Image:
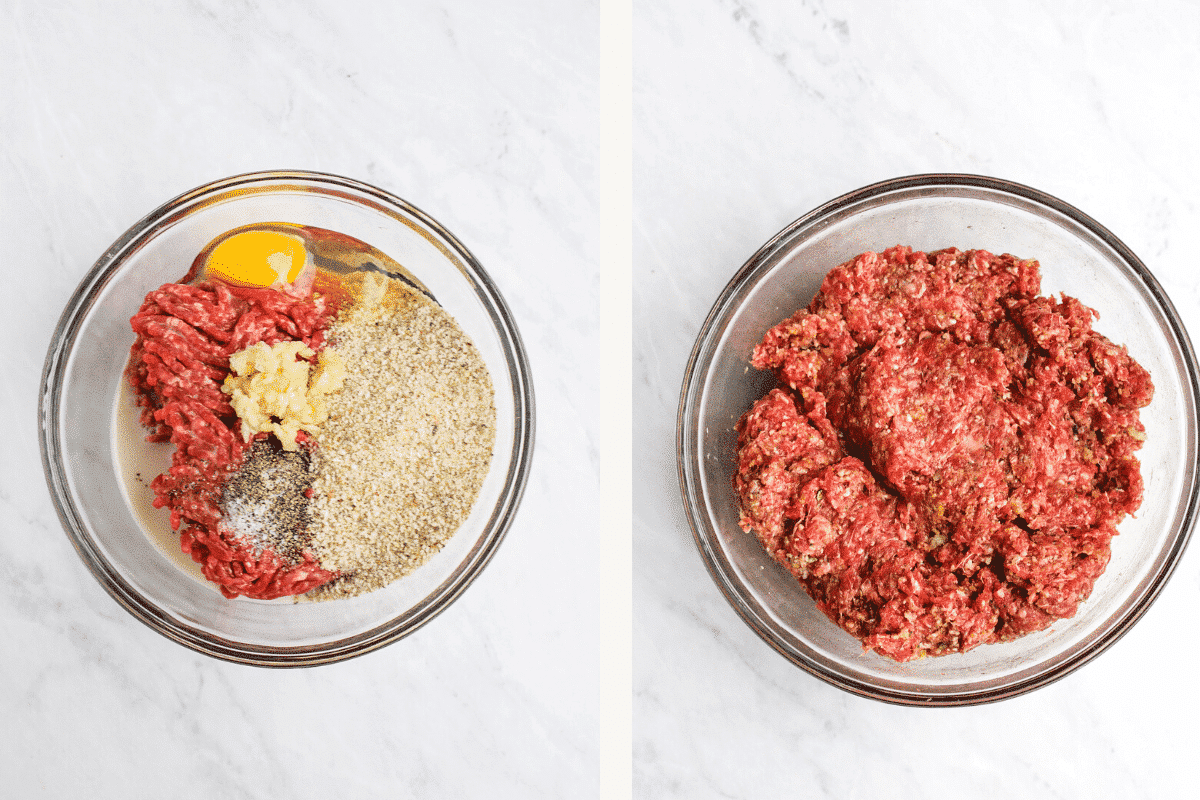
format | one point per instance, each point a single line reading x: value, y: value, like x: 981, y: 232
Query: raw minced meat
x: 947, y: 454
x: 185, y: 336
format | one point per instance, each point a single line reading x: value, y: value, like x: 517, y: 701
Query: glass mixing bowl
x: 85, y: 422
x: 928, y: 212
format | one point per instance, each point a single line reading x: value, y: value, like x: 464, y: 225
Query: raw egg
x: 257, y: 258
x: 296, y: 259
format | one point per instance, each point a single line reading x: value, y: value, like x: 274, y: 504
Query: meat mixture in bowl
x: 330, y: 428
x: 947, y: 454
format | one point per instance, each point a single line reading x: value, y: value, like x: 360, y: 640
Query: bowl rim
x: 64, y: 337
x: 687, y: 422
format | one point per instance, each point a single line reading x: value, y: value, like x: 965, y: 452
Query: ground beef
x: 185, y: 335
x: 947, y: 454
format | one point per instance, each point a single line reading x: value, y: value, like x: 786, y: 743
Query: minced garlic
x: 272, y: 389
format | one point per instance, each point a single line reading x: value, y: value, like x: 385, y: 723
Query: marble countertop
x: 747, y: 115
x: 485, y: 117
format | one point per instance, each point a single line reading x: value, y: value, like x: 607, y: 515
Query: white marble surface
x: 484, y: 116
x: 749, y: 113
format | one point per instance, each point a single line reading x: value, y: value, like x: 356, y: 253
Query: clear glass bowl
x: 929, y: 212
x: 82, y: 419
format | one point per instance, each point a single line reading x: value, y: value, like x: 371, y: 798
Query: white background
x: 748, y: 114
x: 485, y: 117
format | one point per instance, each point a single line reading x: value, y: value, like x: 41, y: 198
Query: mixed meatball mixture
x: 947, y: 454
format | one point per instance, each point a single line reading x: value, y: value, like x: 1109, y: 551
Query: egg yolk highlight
x: 257, y: 258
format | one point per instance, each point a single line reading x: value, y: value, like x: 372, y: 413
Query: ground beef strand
x: 185, y: 335
x: 948, y: 453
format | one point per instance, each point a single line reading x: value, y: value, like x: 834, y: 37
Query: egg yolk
x: 257, y: 258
